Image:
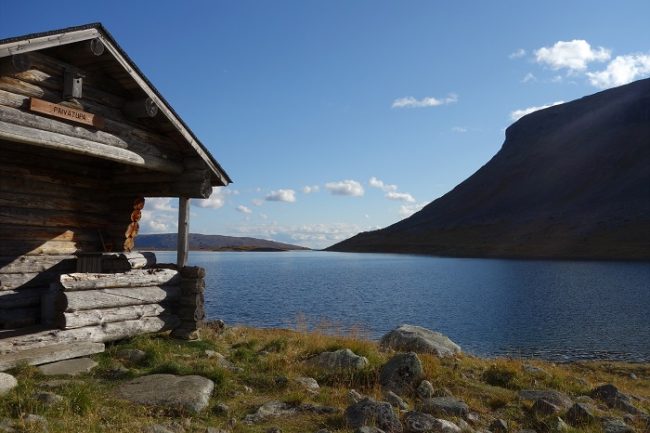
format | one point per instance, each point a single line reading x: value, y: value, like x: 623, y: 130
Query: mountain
x: 570, y: 181
x: 167, y: 241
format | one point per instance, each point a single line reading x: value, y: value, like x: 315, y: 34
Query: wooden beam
x: 134, y: 278
x: 183, y: 231
x: 15, y: 64
x: 140, y: 108
x: 47, y: 41
x: 47, y: 354
x: 21, y: 134
x: 79, y: 319
x: 111, y: 298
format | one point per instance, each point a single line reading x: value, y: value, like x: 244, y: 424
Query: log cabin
x: 84, y: 138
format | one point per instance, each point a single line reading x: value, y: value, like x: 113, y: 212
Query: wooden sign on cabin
x: 67, y: 113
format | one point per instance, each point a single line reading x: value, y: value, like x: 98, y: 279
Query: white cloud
x: 377, y: 183
x: 243, y: 209
x: 257, y: 201
x: 518, y: 114
x: 216, y: 200
x: 308, y: 189
x: 529, y: 77
x: 283, y: 195
x: 400, y: 196
x: 345, y: 187
x: 621, y: 70
x: 163, y: 204
x: 309, y: 235
x: 158, y: 221
x: 573, y: 55
x: 407, y: 210
x: 429, y: 101
x: 517, y: 54
x: 459, y: 129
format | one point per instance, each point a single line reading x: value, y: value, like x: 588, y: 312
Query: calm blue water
x: 555, y: 310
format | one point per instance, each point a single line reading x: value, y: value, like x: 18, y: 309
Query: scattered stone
x: 35, y: 423
x: 281, y: 381
x: 552, y: 396
x: 247, y: 389
x: 614, y: 398
x: 498, y: 426
x: 222, y: 361
x: 342, y: 359
x: 221, y: 409
x: 68, y: 367
x: 7, y: 383
x: 464, y: 425
x: 424, y: 390
x: 580, y: 414
x: 319, y: 410
x: 371, y: 412
x: 633, y: 376
x: 418, y: 422
x: 543, y: 408
x: 557, y: 424
x: 585, y: 399
x: 420, y: 340
x: 354, y: 396
x: 48, y: 398
x: 443, y: 392
x: 396, y: 401
x: 402, y: 373
x: 274, y: 430
x: 445, y: 406
x: 132, y: 355
x: 271, y: 409
x: 369, y: 429
x: 309, y: 384
x: 615, y: 425
x: 191, y: 393
x: 473, y: 417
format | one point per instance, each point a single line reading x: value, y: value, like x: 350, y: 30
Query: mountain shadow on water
x: 571, y: 181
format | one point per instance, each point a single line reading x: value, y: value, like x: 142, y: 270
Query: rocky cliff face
x: 571, y: 181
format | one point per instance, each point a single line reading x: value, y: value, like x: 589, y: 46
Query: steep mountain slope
x: 570, y: 181
x: 167, y: 241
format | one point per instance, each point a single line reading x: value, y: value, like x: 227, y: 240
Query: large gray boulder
x: 342, y: 359
x: 609, y: 394
x: 444, y: 406
x: 418, y: 422
x: 402, y: 373
x: 552, y: 396
x: 191, y: 393
x: 369, y: 412
x: 417, y: 339
x: 7, y: 383
x: 68, y: 367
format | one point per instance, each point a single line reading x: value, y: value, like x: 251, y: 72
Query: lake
x: 558, y: 310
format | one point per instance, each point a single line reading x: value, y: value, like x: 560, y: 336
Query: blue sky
x: 334, y: 117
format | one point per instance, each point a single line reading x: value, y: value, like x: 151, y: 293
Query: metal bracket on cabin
x: 72, y: 84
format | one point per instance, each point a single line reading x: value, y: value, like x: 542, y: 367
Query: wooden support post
x: 183, y: 231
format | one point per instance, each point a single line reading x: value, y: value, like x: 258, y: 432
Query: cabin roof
x: 69, y: 35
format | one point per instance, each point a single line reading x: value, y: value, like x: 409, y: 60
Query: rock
x: 274, y: 430
x: 473, y: 417
x: 396, y: 401
x: 35, y: 423
x: 7, y: 383
x: 445, y: 406
x: 585, y: 399
x: 131, y: 355
x: 543, y: 408
x: 7, y: 426
x: 342, y: 359
x: 464, y: 425
x: 271, y: 409
x: 354, y: 396
x: 48, y: 398
x: 68, y: 367
x: 247, y: 389
x: 420, y: 340
x: 552, y: 396
x: 609, y: 394
x: 418, y: 422
x: 580, y: 414
x: 369, y: 429
x: 615, y: 425
x: 498, y: 426
x: 320, y: 410
x: 309, y: 384
x: 402, y: 373
x: 371, y: 412
x: 632, y: 376
x: 424, y: 390
x: 534, y: 371
x: 221, y: 409
x: 190, y: 393
x: 222, y: 361
x: 557, y: 424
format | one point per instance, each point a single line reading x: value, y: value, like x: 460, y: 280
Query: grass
x: 268, y: 360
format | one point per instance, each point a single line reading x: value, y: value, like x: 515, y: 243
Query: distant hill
x: 570, y: 181
x: 167, y: 241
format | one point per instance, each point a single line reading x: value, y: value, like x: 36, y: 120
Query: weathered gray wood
x: 100, y: 333
x: 12, y: 264
x: 26, y: 280
x: 50, y: 218
x: 47, y: 354
x: 183, y: 245
x: 134, y: 278
x: 140, y: 108
x: 31, y: 248
x: 124, y: 262
x: 14, y: 64
x: 48, y: 41
x: 78, y: 319
x: 111, y: 298
x: 33, y: 200
x: 22, y: 134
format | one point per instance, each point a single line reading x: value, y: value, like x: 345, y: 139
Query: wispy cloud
x: 517, y: 54
x: 158, y: 221
x: 257, y: 201
x: 459, y: 129
x: 216, y: 200
x: 283, y: 195
x: 308, y: 189
x: 518, y: 114
x: 310, y: 235
x: 378, y: 183
x: 400, y: 196
x: 429, y: 101
x: 345, y: 187
x: 529, y: 77
x: 161, y: 204
x: 243, y: 209
x: 407, y: 210
x: 621, y: 70
x: 572, y: 55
